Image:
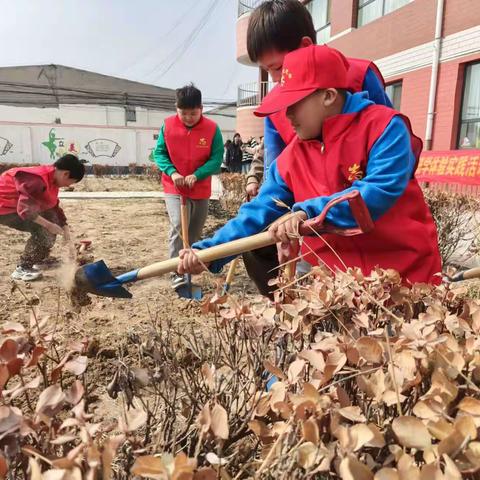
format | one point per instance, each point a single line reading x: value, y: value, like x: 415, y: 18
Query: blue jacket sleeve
x: 390, y: 166
x: 273, y: 144
x: 254, y: 216
x: 374, y: 86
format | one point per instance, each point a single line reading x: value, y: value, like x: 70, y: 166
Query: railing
x: 245, y: 6
x: 251, y: 94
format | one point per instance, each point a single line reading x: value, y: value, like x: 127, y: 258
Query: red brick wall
x: 343, y: 15
x: 460, y: 15
x: 248, y: 125
x: 404, y: 28
x: 414, y: 104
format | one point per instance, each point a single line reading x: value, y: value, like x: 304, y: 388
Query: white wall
x: 105, y: 146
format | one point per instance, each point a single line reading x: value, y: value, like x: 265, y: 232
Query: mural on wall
x: 5, y: 146
x: 98, y: 147
x: 102, y: 147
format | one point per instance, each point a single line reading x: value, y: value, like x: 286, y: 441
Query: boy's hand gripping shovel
x: 96, y: 277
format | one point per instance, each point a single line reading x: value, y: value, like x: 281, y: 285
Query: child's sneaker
x: 178, y: 281
x: 26, y: 274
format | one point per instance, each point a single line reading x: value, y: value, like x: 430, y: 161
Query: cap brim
x: 279, y: 99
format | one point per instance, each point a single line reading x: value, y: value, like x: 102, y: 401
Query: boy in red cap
x: 344, y: 142
x: 277, y: 27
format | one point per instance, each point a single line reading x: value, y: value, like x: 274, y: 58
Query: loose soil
x: 127, y: 234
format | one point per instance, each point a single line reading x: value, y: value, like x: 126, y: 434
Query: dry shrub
x: 373, y: 378
x: 45, y: 425
x: 456, y: 220
x: 233, y: 191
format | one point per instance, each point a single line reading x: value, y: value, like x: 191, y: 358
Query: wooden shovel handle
x: 208, y: 255
x: 184, y: 221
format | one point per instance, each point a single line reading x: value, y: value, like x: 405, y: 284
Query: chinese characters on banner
x: 456, y: 166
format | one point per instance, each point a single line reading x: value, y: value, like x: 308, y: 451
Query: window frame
x: 461, y: 121
x: 369, y: 2
x: 328, y: 16
x: 393, y: 84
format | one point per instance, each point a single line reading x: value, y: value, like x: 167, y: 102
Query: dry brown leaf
x: 77, y: 365
x: 75, y: 392
x: 295, y: 370
x: 50, y: 399
x: 219, y: 425
x: 452, y: 444
x: 440, y: 429
x: 411, y: 432
x: 208, y: 373
x: 134, y: 419
x: 387, y: 474
x: 315, y: 358
x: 369, y: 349
x: 351, y: 469
x: 310, y: 431
x: 307, y: 455
x: 378, y: 440
x: 466, y: 426
x: 204, y: 419
x: 470, y: 405
x: 214, y: 459
x: 451, y: 471
x: 149, y: 466
x: 278, y: 391
x: 353, y: 414
x: 109, y: 450
x: 269, y: 367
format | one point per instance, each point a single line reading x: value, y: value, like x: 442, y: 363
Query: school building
x: 428, y: 52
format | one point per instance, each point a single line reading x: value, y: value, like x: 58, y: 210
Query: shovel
x: 188, y: 290
x: 96, y: 277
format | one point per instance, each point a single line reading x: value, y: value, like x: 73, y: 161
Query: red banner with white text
x: 454, y: 166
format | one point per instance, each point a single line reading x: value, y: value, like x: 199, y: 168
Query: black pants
x: 262, y: 266
x: 41, y: 241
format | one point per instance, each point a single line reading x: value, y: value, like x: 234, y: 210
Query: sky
x: 163, y: 42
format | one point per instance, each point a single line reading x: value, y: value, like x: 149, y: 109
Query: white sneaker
x: 26, y: 274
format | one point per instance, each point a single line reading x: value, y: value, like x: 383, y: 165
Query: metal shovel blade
x: 189, y: 290
x: 98, y: 279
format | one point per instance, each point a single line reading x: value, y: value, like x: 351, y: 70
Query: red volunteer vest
x: 9, y: 194
x: 189, y: 149
x: 404, y: 238
x: 356, y: 76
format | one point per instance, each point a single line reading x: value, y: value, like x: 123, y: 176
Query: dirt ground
x: 118, y: 183
x: 127, y: 234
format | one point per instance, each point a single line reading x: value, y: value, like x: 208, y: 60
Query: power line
x: 185, y: 45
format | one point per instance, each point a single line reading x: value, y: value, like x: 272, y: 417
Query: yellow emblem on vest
x: 202, y: 142
x: 286, y: 74
x: 355, y: 172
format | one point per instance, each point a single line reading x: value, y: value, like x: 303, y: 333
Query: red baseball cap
x: 305, y: 71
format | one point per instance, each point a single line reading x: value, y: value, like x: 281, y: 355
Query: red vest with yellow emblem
x: 9, y: 194
x: 404, y: 238
x: 189, y: 149
x: 358, y: 68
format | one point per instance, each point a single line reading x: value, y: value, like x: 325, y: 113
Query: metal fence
x: 251, y: 94
x: 245, y: 6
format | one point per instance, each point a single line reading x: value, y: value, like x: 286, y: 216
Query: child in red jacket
x: 29, y: 203
x: 344, y: 142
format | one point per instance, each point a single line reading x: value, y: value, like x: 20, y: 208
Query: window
x: 320, y: 11
x: 130, y: 113
x: 394, y: 92
x: 370, y: 10
x: 469, y: 136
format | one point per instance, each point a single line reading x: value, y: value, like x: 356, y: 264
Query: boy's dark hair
x: 188, y: 96
x: 72, y: 164
x: 278, y: 25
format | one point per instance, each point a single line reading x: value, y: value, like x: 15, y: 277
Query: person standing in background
x: 234, y: 155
